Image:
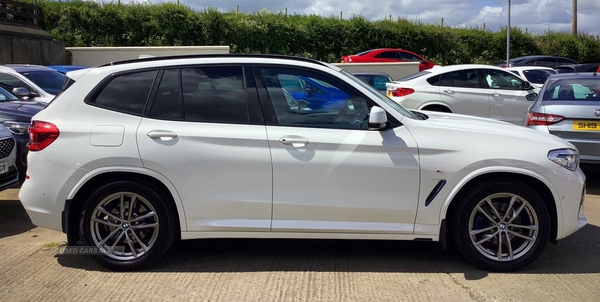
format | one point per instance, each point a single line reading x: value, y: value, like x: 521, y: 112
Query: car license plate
x: 586, y: 125
x: 3, y: 168
x: 389, y: 93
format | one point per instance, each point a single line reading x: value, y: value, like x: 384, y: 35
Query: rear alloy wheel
x: 502, y: 226
x: 130, y: 223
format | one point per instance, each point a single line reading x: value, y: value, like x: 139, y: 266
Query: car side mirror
x: 531, y: 97
x: 21, y: 92
x: 527, y: 86
x: 377, y: 118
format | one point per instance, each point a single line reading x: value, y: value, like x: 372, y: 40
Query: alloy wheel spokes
x: 503, y: 227
x: 124, y: 225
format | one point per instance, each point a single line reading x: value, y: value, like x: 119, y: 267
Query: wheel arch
x: 436, y: 105
x: 96, y: 178
x: 537, y: 183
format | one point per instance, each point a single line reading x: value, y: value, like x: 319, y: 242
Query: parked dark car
x: 375, y: 79
x: 537, y: 60
x: 15, y: 115
x: 572, y: 68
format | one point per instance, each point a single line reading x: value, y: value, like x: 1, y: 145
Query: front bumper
x: 570, y: 190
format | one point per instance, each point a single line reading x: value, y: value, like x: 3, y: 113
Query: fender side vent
x: 435, y: 192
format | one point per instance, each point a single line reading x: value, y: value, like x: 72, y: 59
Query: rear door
x: 462, y: 91
x: 204, y: 132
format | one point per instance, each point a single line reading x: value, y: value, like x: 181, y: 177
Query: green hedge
x: 83, y: 23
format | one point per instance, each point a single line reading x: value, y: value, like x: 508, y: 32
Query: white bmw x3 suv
x: 135, y: 154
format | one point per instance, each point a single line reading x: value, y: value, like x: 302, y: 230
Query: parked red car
x: 388, y: 55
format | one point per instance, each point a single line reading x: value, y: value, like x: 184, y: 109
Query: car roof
x: 26, y: 67
x: 528, y: 68
x: 580, y: 75
x: 536, y: 57
x: 447, y: 68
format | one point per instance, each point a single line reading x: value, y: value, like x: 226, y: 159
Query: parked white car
x: 146, y: 151
x: 33, y: 82
x: 477, y: 90
x: 536, y: 75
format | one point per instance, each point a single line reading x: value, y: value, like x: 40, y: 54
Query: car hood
x: 21, y: 108
x: 512, y: 134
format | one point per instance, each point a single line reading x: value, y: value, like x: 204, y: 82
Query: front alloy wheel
x: 502, y: 225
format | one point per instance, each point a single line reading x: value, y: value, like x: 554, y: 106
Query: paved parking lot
x: 31, y: 268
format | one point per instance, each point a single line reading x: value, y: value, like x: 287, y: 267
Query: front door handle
x: 495, y: 93
x: 448, y: 91
x: 296, y: 141
x: 164, y: 135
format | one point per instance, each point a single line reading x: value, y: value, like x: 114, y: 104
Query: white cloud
x: 535, y: 15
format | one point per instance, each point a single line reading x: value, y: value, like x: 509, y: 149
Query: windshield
x: 6, y: 96
x: 380, y: 95
x: 49, y: 80
x: 538, y: 76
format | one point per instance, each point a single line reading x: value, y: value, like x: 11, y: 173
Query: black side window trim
x: 255, y: 115
x: 269, y: 111
x: 90, y: 98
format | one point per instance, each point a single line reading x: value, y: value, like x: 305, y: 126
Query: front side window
x: 340, y: 108
x: 9, y: 82
x: 7, y: 96
x: 499, y: 79
x: 127, y: 93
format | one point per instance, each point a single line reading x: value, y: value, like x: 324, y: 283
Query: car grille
x: 6, y: 146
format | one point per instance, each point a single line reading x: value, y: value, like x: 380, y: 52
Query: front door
x: 331, y: 174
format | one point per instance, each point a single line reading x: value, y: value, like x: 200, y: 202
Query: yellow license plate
x: 389, y: 94
x: 586, y: 125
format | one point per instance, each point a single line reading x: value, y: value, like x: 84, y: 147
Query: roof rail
x: 229, y: 55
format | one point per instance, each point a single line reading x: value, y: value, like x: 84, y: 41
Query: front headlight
x: 16, y: 127
x: 567, y: 158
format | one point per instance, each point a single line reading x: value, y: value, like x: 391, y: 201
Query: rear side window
x: 466, y: 78
x: 127, y: 93
x: 215, y: 94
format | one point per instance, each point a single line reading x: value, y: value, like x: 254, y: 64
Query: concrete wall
x: 94, y: 56
x: 395, y: 70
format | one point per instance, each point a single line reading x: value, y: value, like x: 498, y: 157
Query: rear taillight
x: 541, y: 119
x: 41, y: 135
x: 402, y: 91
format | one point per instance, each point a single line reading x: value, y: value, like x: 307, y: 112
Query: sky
x: 535, y: 15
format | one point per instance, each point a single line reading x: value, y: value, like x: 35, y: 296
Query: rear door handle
x: 164, y: 135
x: 495, y: 93
x: 448, y: 91
x: 296, y: 141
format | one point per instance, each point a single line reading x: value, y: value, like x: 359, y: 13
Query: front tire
x: 131, y: 223
x: 501, y: 225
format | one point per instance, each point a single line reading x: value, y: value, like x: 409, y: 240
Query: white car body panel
x: 331, y: 181
x: 223, y: 172
x: 388, y: 174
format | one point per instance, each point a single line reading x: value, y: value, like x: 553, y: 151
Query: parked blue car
x: 318, y: 94
x: 66, y: 68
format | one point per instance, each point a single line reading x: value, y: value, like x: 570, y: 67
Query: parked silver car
x: 569, y: 107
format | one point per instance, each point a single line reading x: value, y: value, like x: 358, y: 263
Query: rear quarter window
x: 126, y: 93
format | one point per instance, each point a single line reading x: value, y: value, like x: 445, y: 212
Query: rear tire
x: 502, y: 225
x: 131, y: 223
